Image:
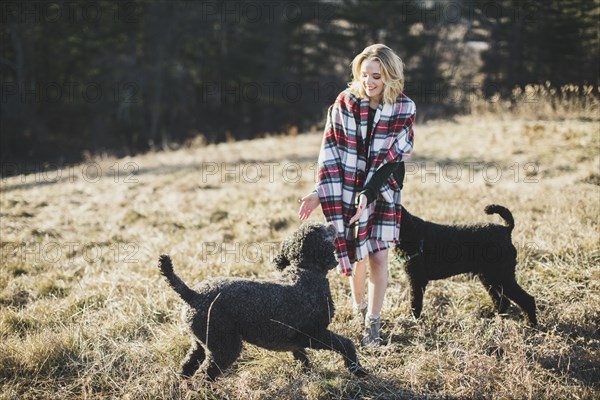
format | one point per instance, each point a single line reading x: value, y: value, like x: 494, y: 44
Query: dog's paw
x: 357, y: 370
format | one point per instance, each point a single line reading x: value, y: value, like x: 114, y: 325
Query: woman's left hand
x: 362, y: 204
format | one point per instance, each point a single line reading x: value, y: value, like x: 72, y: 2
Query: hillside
x: 84, y: 312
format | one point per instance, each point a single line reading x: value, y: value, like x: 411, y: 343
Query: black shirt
x: 382, y: 174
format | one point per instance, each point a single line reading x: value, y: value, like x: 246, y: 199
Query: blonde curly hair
x: 392, y: 72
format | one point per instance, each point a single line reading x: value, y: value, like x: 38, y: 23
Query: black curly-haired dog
x: 433, y: 251
x: 289, y: 314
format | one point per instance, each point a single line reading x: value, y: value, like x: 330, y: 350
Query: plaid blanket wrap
x: 345, y: 166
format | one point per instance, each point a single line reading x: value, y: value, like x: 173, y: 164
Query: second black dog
x: 433, y: 251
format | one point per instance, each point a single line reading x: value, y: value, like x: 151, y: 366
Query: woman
x: 367, y: 136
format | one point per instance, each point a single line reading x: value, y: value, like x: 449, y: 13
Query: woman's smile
x: 370, y: 76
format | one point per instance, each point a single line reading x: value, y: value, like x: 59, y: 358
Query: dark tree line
x: 534, y: 41
x: 128, y: 76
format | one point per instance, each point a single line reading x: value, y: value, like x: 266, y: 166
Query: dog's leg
x: 300, y: 355
x: 195, y: 357
x: 496, y: 293
x: 225, y: 348
x: 340, y: 344
x: 513, y: 291
x: 416, y: 300
x: 418, y: 281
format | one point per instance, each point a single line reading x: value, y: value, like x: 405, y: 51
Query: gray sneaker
x: 371, y: 335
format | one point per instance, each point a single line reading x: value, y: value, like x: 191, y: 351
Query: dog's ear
x: 328, y: 260
x: 404, y: 214
x: 406, y: 221
x: 282, y: 260
x: 411, y: 233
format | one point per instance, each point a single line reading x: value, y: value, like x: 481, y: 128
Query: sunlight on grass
x: 84, y: 312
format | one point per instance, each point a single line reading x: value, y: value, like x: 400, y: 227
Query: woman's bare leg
x: 378, y: 281
x: 357, y: 284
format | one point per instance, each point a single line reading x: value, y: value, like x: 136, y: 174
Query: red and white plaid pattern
x: 345, y: 166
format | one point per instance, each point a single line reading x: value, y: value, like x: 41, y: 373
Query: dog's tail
x: 166, y: 268
x: 503, y: 212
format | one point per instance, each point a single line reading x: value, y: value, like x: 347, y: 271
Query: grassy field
x: 84, y: 312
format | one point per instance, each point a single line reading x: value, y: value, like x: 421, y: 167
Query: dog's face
x: 410, y: 234
x: 310, y: 247
x: 405, y: 221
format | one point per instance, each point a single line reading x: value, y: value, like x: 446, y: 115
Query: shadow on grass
x: 582, y: 361
x: 334, y: 385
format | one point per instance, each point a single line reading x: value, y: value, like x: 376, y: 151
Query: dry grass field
x: 84, y: 312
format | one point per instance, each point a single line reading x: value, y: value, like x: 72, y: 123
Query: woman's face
x: 370, y: 78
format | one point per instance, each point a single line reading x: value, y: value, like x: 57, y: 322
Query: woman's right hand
x: 307, y: 205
